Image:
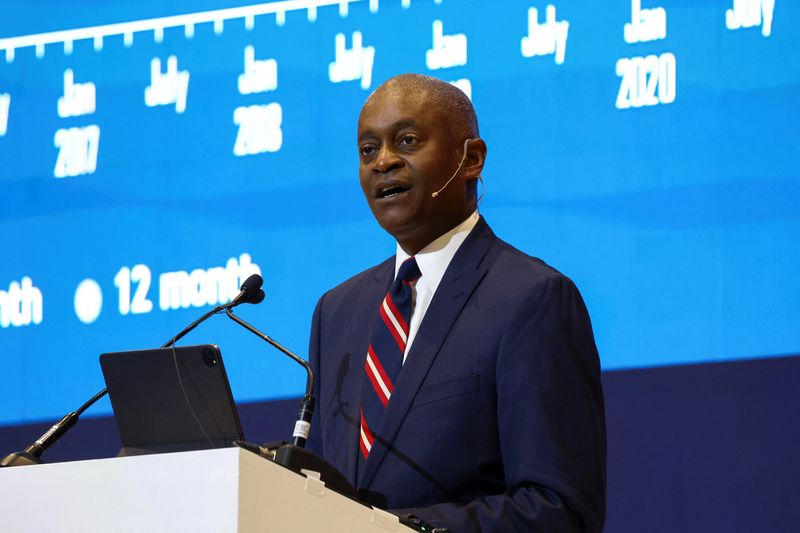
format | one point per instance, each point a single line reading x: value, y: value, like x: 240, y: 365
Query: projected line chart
x: 150, y: 163
x: 644, y: 81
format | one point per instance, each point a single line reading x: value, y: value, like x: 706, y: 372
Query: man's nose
x: 388, y: 159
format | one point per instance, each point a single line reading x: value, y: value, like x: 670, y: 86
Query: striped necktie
x: 385, y: 353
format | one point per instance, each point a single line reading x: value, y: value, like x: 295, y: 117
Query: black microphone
x: 250, y: 293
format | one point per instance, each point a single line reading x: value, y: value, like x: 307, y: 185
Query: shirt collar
x: 434, y: 259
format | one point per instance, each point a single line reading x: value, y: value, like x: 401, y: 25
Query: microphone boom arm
x: 303, y: 424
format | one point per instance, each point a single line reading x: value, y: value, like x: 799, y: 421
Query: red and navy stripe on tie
x: 385, y: 353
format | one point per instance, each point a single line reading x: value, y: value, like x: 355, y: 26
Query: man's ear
x: 476, y: 157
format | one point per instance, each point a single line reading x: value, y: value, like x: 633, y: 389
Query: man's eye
x: 408, y: 140
x: 366, y: 151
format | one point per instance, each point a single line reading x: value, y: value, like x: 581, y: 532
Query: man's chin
x: 395, y: 216
x: 395, y: 226
x: 396, y: 223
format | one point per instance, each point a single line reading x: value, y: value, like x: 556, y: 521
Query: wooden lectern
x: 226, y: 490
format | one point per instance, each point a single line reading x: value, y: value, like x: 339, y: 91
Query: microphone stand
x: 32, y: 454
x: 294, y: 456
x: 303, y: 424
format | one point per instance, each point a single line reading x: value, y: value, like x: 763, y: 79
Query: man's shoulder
x: 357, y: 282
x: 515, y: 276
x: 507, y: 260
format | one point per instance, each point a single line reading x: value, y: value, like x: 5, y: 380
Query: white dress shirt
x: 432, y: 261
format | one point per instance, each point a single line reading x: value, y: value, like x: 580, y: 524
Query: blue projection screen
x: 154, y: 154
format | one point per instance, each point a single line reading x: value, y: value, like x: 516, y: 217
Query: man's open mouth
x: 391, y: 190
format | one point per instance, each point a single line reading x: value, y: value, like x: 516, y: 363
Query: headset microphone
x: 463, y: 158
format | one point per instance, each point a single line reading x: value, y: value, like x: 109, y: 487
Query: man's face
x: 406, y: 154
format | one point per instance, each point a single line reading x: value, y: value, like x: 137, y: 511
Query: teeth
x: 391, y: 191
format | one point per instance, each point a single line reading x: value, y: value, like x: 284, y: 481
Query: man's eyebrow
x: 365, y: 133
x: 407, y: 123
x: 399, y: 125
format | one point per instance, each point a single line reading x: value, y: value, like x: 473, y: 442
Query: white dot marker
x: 88, y: 301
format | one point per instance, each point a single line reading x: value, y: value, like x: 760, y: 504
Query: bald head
x: 445, y: 99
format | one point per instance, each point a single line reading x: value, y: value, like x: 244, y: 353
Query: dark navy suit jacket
x: 496, y: 422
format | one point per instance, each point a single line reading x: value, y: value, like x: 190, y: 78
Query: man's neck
x: 440, y: 241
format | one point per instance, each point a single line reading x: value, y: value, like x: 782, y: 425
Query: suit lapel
x: 459, y: 281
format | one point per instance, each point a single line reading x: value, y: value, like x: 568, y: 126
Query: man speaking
x: 458, y: 380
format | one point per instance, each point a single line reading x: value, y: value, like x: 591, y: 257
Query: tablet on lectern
x: 171, y: 399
